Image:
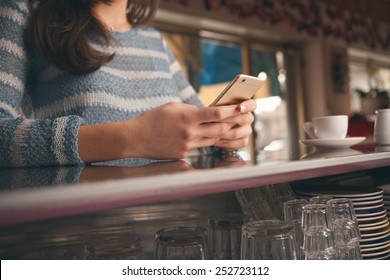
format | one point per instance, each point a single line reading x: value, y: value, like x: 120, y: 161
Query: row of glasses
x: 228, y: 238
x: 310, y: 230
x: 327, y: 229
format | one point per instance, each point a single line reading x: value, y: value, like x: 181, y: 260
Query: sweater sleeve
x: 187, y: 92
x: 27, y: 142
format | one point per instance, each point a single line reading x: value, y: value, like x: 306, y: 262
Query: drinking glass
x: 350, y: 251
x: 180, y: 243
x: 268, y: 240
x: 293, y: 209
x: 224, y: 236
x: 341, y: 208
x: 346, y: 231
x: 254, y: 204
x: 293, y: 214
x: 277, y: 194
x: 314, y: 215
x: 318, y: 240
x: 329, y: 254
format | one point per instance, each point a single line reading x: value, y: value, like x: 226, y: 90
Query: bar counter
x: 113, y: 210
x: 33, y: 194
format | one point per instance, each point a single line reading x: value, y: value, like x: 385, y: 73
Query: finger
x: 242, y: 119
x: 247, y: 106
x: 233, y: 144
x: 237, y: 133
x: 213, y: 129
x: 218, y: 113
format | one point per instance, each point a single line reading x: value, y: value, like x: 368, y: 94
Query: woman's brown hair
x: 60, y: 30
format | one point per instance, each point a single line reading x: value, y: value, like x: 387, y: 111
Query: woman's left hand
x: 238, y: 136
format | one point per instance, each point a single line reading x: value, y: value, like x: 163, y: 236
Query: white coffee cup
x: 382, y: 127
x: 327, y: 127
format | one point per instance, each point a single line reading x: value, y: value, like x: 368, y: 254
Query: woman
x: 87, y: 80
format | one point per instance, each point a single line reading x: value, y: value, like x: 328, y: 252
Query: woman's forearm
x: 103, y: 142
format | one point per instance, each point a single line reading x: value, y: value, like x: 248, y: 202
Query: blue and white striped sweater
x: 144, y: 74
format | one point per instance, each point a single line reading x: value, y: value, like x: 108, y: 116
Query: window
x: 211, y: 62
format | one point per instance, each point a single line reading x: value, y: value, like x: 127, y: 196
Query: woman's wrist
x: 103, y: 142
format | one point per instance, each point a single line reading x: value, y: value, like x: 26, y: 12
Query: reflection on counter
x: 318, y: 153
x: 18, y: 178
x: 380, y: 149
x: 12, y: 179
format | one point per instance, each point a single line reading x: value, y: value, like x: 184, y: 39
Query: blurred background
x: 317, y: 58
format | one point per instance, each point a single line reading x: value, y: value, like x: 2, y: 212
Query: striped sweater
x: 144, y: 74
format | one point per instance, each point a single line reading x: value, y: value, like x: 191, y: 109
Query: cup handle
x: 309, y: 129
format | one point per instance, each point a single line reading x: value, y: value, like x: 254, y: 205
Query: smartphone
x: 241, y: 88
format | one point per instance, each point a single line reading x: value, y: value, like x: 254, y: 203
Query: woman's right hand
x: 172, y: 130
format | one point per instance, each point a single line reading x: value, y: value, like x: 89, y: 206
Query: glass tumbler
x: 254, y: 204
x: 293, y: 214
x: 268, y: 240
x: 341, y: 208
x: 318, y: 240
x: 314, y: 215
x: 293, y: 209
x: 345, y: 231
x: 350, y: 251
x: 224, y: 236
x: 329, y: 254
x: 180, y: 243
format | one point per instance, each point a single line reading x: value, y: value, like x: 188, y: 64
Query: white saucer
x: 333, y: 143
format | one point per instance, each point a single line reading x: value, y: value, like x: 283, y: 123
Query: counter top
x: 34, y: 194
